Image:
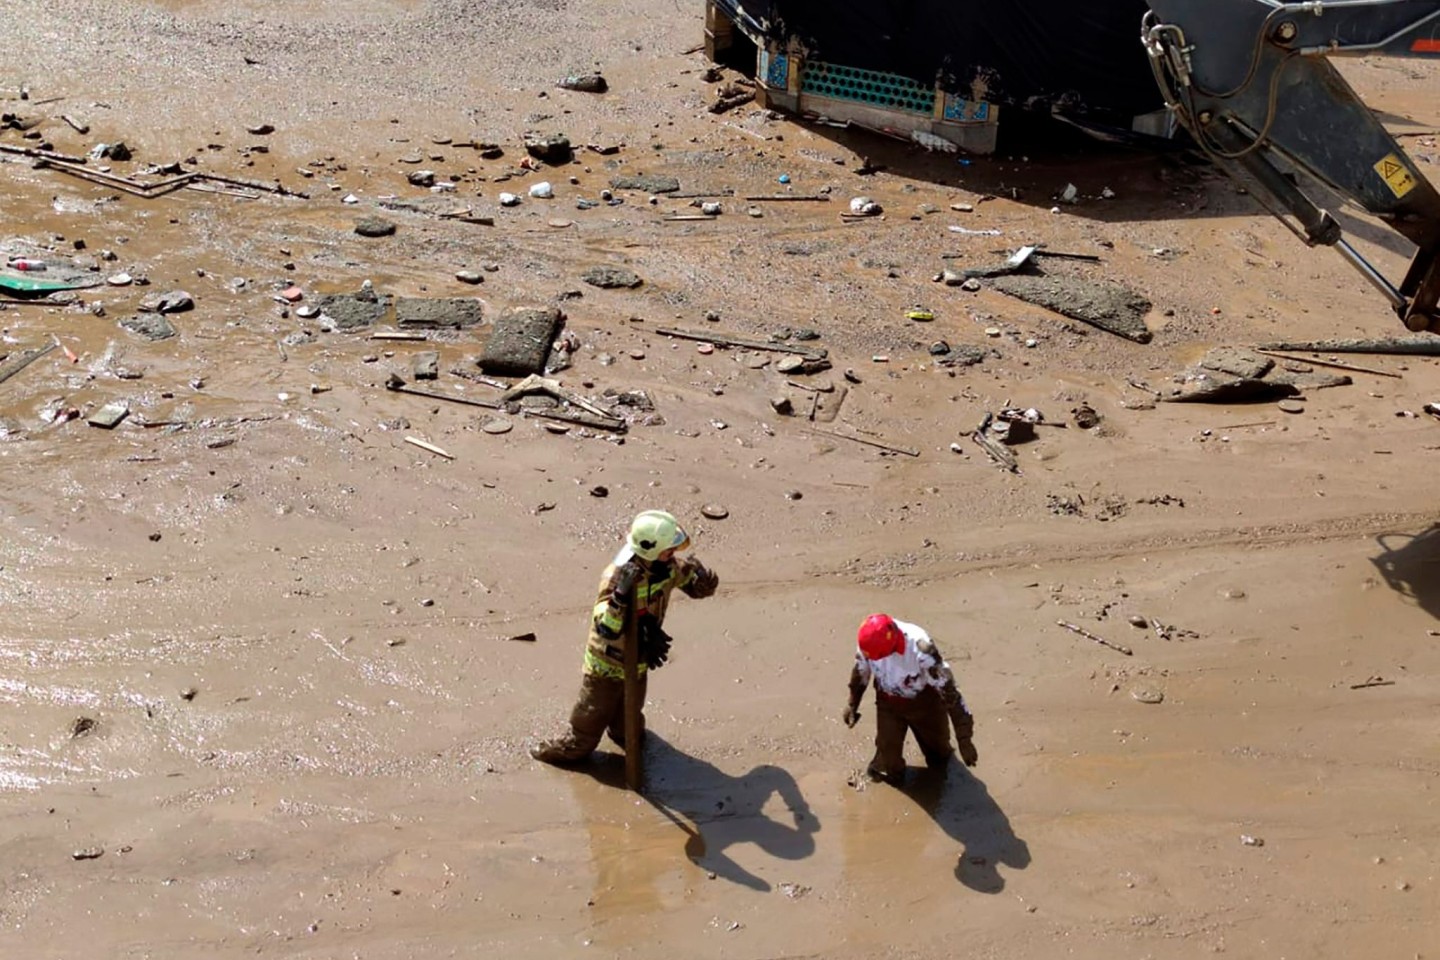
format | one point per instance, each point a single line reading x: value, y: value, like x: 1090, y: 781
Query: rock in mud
x: 1100, y: 303
x: 432, y: 313
x: 585, y: 83
x: 610, y: 278
x: 374, y: 227
x: 150, y: 326
x: 469, y: 276
x: 1238, y: 362
x: 648, y: 182
x: 1211, y: 386
x: 960, y: 355
x: 714, y: 511
x: 1314, y: 380
x: 176, y: 301
x: 554, y: 148
x: 348, y: 311
x: 520, y: 341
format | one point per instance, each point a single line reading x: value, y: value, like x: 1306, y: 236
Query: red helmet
x: 879, y: 637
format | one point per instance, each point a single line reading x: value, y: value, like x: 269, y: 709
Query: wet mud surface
x: 258, y: 688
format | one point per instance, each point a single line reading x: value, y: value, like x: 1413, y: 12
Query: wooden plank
x: 429, y: 447
x: 21, y: 359
x: 721, y: 340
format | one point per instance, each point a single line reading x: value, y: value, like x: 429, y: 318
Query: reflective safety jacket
x: 604, y: 649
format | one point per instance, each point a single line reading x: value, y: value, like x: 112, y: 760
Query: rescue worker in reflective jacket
x: 914, y: 692
x: 638, y: 582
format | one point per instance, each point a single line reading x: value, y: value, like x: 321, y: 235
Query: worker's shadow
x: 960, y: 804
x: 1410, y: 564
x: 718, y: 811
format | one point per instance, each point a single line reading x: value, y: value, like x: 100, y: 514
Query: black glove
x: 622, y: 594
x: 968, y: 753
x: 654, y: 643
x: 851, y: 716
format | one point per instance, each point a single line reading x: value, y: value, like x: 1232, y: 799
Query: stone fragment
x: 374, y: 227
x: 150, y: 326
x: 427, y: 365
x: 647, y: 182
x: 176, y: 301
x: 520, y: 342
x: 714, y: 511
x: 431, y: 313
x: 553, y: 148
x: 347, y: 311
x: 609, y: 278
x: 584, y: 83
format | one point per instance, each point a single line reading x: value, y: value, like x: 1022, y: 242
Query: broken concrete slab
x: 348, y: 311
x: 648, y: 182
x: 610, y: 278
x: 520, y: 341
x: 1212, y: 386
x: 963, y: 355
x: 1309, y: 380
x: 1100, y: 303
x: 1237, y: 361
x: 433, y: 313
x: 427, y: 365
x: 151, y: 326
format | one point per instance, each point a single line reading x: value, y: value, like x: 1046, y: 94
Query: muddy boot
x: 879, y: 776
x: 556, y: 752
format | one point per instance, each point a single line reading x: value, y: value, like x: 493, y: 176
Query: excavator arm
x: 1252, y: 83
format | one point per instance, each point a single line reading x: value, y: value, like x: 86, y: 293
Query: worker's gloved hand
x: 968, y: 753
x: 703, y: 584
x: 626, y: 577
x: 851, y: 716
x: 654, y: 643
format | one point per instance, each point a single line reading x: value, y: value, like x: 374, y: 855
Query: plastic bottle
x: 23, y: 264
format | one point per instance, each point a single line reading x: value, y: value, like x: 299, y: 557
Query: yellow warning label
x: 1396, y: 176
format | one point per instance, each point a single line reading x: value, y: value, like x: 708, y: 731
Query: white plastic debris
x: 350, y: 198
x: 509, y: 200
x: 974, y: 233
x: 864, y: 206
x: 932, y: 143
x: 542, y: 190
x: 443, y: 187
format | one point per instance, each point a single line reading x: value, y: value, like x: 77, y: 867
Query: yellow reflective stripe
x: 600, y: 667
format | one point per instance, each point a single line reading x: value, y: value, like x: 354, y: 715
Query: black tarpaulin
x: 1084, y: 57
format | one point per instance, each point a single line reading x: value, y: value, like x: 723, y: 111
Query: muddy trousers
x: 923, y: 715
x: 600, y: 709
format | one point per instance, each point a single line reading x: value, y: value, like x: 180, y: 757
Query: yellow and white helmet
x: 655, y: 531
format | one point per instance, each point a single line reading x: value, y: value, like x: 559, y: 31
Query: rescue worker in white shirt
x: 639, y: 581
x: 914, y: 692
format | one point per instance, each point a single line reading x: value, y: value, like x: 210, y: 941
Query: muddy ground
x: 286, y: 628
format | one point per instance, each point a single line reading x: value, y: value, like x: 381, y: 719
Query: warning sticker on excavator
x: 1396, y: 176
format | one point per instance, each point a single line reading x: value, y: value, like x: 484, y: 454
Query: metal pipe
x: 1397, y: 300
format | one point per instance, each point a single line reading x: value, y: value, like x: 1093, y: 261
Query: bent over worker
x: 637, y: 582
x: 914, y: 692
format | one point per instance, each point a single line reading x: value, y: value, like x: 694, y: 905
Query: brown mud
x: 290, y: 627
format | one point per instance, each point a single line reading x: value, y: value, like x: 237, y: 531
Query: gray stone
x: 1109, y: 306
x: 176, y: 301
x: 648, y: 182
x: 1237, y: 361
x: 554, y: 148
x: 469, y: 276
x: 962, y: 355
x: 150, y: 326
x: 586, y: 83
x: 609, y: 278
x: 348, y: 311
x: 421, y: 178
x: 1313, y: 380
x: 520, y: 341
x: 1212, y: 386
x: 782, y: 406
x: 436, y: 312
x: 427, y: 365
x: 374, y: 227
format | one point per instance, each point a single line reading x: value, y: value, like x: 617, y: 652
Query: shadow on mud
x: 1410, y: 563
x: 718, y: 811
x: 961, y: 805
